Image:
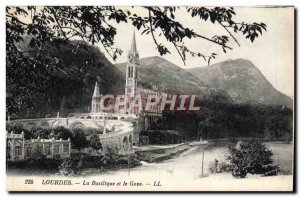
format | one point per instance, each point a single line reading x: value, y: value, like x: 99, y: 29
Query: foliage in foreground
x: 251, y: 157
x: 78, y: 164
x: 30, y: 76
x: 109, y: 159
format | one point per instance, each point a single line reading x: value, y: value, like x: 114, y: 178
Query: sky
x: 272, y: 54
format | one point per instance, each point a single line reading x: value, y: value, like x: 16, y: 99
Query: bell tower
x: 131, y: 69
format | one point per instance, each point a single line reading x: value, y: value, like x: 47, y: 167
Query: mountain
x: 167, y: 76
x: 242, y: 81
x: 71, y: 88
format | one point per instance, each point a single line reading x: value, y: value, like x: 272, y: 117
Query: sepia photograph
x: 150, y: 98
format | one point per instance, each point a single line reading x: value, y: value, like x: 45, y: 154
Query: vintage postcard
x: 107, y: 98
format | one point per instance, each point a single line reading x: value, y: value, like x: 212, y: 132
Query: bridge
x: 117, y: 129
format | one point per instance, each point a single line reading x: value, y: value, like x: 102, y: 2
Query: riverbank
x: 161, y: 153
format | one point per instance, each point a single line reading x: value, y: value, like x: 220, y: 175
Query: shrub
x: 71, y: 167
x: 79, y: 140
x: 110, y: 157
x: 225, y: 167
x: 94, y: 142
x: 219, y: 167
x: 66, y: 168
x: 251, y: 157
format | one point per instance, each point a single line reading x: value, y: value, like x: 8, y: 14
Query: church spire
x: 96, y: 91
x: 96, y: 99
x: 133, y: 54
x: 133, y: 49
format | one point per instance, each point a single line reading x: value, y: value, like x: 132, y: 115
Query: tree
x: 29, y: 76
x: 280, y: 124
x: 94, y: 142
x: 62, y: 133
x: 79, y: 140
x: 18, y: 128
x: 40, y: 132
x: 251, y: 157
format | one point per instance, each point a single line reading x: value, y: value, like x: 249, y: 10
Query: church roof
x: 96, y: 91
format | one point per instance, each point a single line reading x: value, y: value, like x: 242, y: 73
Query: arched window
x: 18, y: 151
x: 128, y: 72
x: 132, y: 72
x: 47, y: 150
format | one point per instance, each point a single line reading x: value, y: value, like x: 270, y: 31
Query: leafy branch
x: 55, y: 26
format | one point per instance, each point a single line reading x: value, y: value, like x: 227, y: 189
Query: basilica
x: 132, y: 89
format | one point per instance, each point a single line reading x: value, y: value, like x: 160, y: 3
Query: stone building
x: 18, y: 148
